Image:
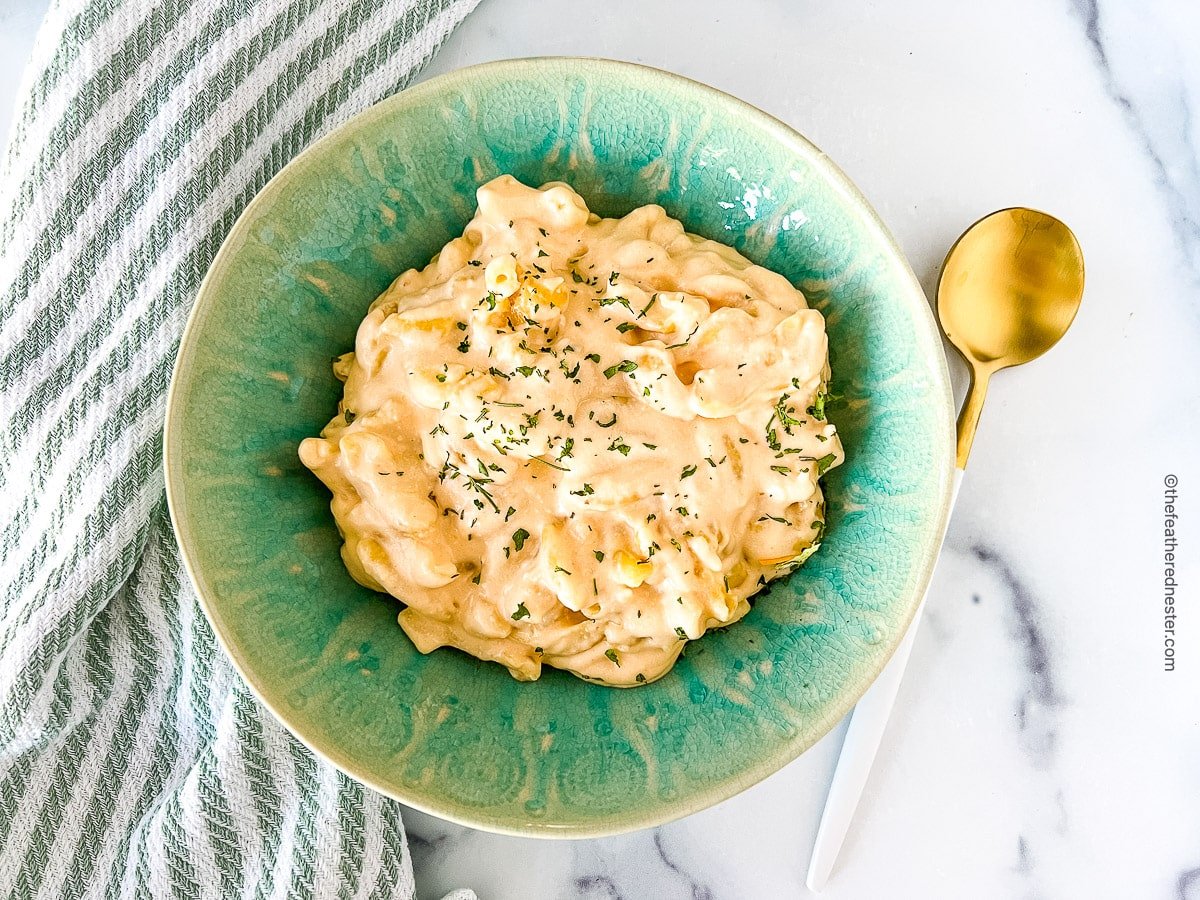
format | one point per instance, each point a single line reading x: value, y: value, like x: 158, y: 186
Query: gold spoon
x: 1009, y: 289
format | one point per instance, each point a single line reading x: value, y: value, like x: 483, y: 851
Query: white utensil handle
x: 867, y: 724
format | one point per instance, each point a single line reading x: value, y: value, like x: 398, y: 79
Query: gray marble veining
x: 1128, y: 40
x: 1188, y: 886
x: 1040, y: 697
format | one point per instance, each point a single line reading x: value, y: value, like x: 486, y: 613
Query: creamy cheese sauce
x: 578, y: 442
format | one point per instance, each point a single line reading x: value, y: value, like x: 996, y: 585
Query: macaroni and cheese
x: 578, y: 442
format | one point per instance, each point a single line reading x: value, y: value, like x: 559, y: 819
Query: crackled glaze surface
x: 447, y: 733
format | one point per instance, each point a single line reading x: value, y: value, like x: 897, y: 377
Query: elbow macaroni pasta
x: 578, y: 442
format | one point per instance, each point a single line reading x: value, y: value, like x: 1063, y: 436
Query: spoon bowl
x: 1009, y: 289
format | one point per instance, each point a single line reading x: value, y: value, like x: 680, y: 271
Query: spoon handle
x: 863, y: 736
x: 968, y: 418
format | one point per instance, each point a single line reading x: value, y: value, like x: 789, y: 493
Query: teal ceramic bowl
x: 446, y: 733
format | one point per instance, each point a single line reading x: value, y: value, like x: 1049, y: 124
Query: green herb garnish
x: 785, y: 416
x: 609, y: 301
x: 817, y: 410
x: 685, y: 341
x: 626, y: 366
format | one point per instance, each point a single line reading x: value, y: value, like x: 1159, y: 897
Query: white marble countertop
x: 1038, y: 748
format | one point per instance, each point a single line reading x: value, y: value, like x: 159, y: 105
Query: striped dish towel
x: 133, y: 761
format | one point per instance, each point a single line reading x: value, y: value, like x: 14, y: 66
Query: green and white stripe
x: 133, y: 761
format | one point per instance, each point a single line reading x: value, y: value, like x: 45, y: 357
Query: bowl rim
x: 621, y: 822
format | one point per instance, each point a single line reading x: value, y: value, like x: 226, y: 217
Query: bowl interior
x: 445, y: 732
